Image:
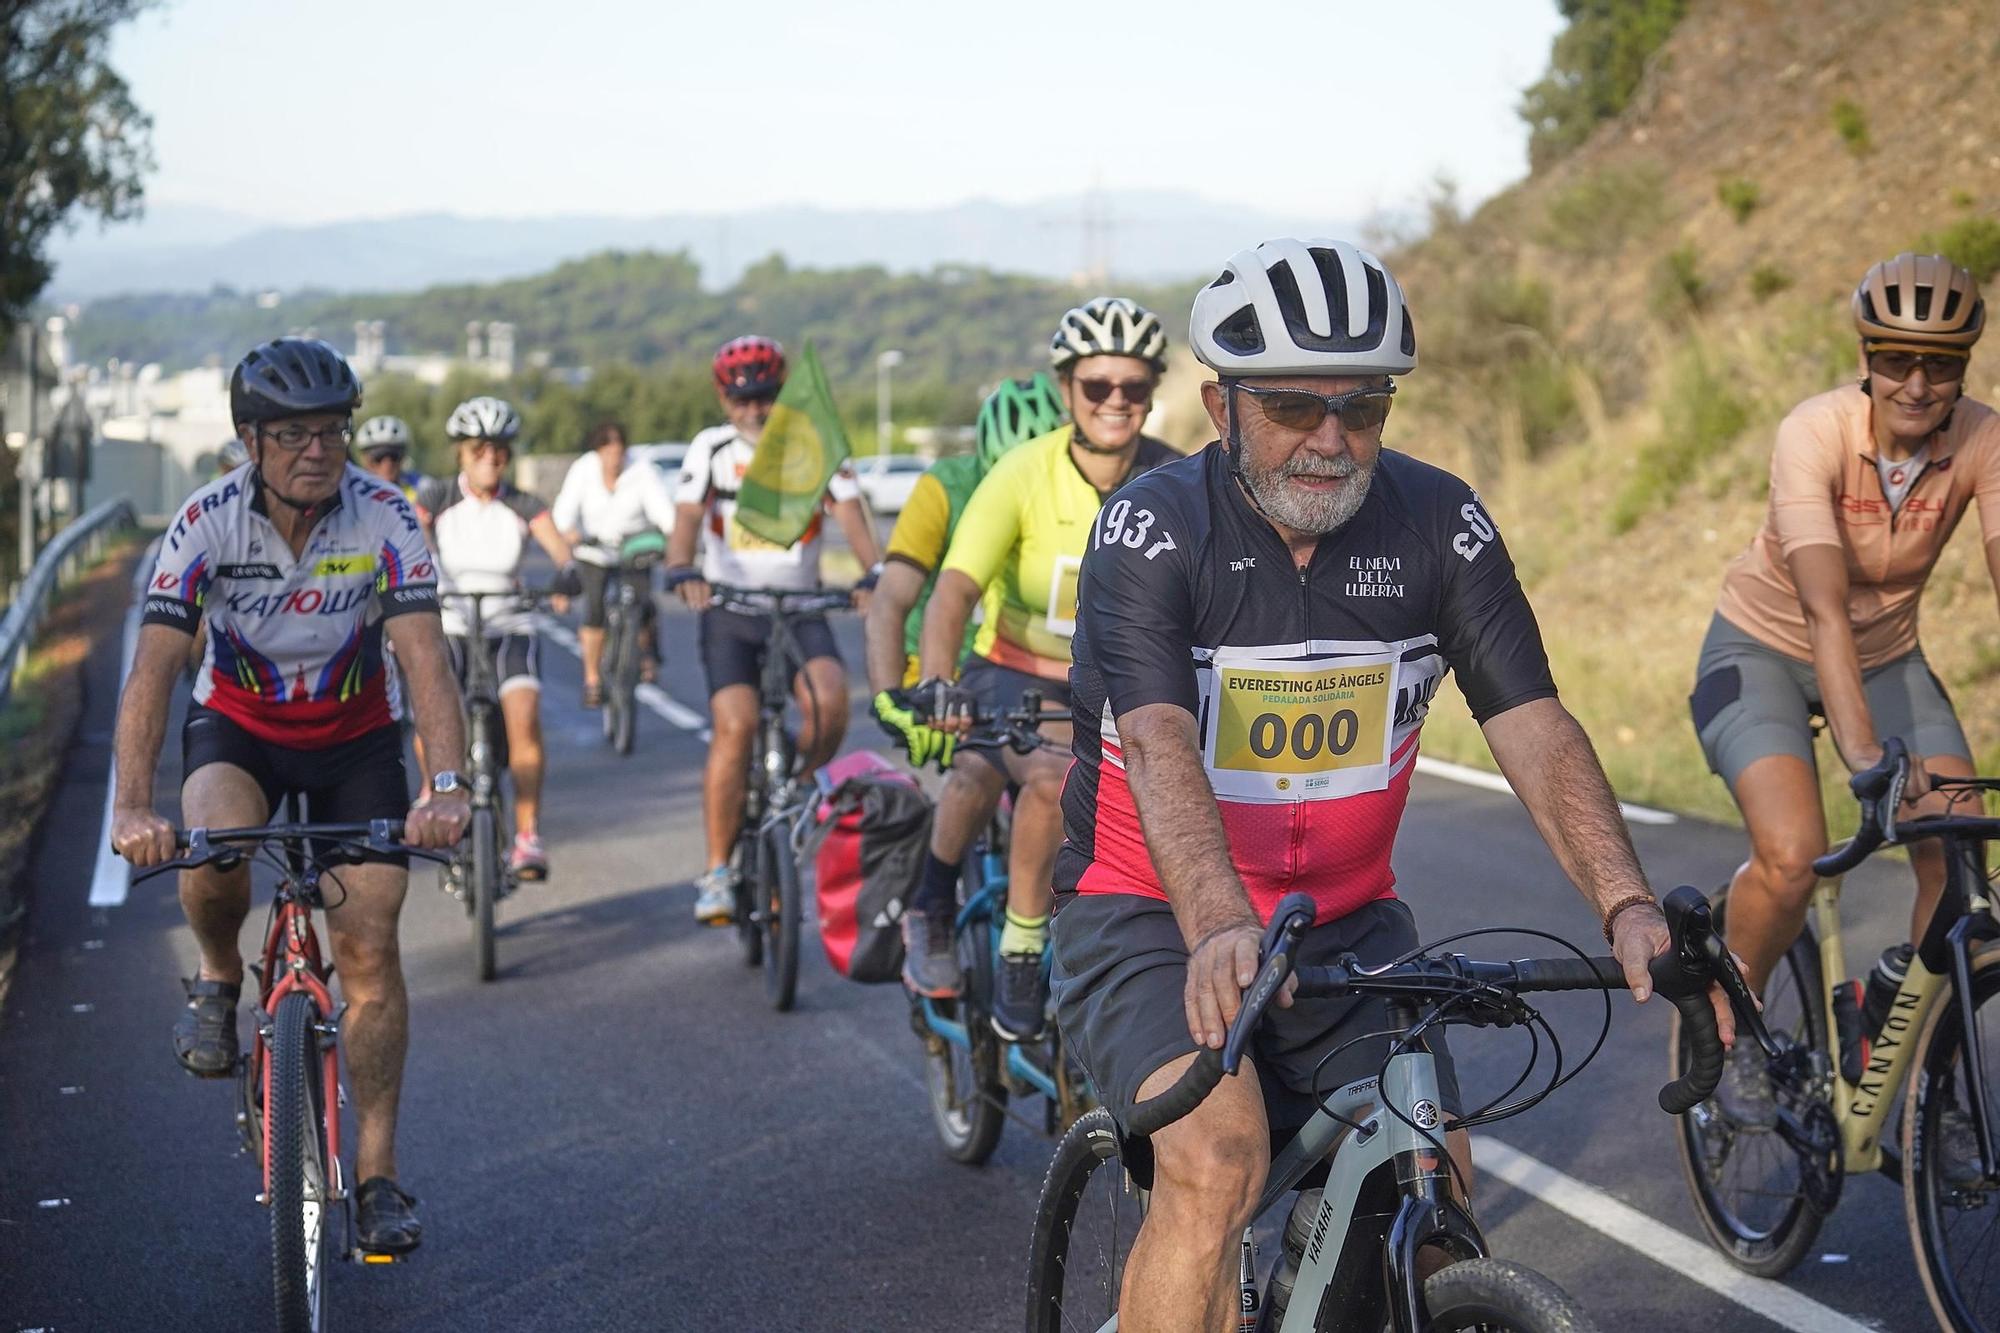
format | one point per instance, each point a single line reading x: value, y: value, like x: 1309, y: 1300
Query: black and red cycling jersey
x: 1308, y: 687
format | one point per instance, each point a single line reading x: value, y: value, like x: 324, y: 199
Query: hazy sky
x: 303, y: 112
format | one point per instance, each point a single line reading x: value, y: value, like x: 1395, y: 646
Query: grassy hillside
x: 1608, y: 346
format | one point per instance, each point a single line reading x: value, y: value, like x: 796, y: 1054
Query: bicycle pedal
x: 376, y: 1257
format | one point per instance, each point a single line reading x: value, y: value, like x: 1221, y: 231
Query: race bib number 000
x: 1300, y: 731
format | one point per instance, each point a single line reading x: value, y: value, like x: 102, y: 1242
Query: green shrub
x: 1740, y: 197
x: 1594, y: 67
x: 1851, y: 123
x: 1704, y: 414
x: 1973, y: 242
x: 1605, y: 209
x: 1767, y: 280
x: 1679, y: 289
x: 1962, y: 198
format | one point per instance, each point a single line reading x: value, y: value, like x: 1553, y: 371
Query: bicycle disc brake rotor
x: 1821, y: 1174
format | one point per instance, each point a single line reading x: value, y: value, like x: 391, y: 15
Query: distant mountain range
x: 1134, y: 235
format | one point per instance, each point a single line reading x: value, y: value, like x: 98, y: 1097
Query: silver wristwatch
x: 446, y: 782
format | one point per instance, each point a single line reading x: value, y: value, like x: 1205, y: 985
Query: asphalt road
x: 618, y: 1134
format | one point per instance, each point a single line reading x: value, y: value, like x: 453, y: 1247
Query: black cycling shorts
x: 1120, y: 970
x: 596, y: 580
x: 351, y: 782
x: 999, y: 689
x: 517, y: 660
x: 733, y: 644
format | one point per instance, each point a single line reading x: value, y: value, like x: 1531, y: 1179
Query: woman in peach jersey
x: 1820, y: 614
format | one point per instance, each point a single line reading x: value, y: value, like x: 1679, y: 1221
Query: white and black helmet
x: 382, y: 435
x: 484, y: 418
x: 1303, y: 307
x: 1108, y: 326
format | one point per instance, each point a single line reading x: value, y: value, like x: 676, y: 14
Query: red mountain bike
x: 288, y: 1085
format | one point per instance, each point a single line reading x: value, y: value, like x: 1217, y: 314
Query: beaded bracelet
x: 1629, y: 901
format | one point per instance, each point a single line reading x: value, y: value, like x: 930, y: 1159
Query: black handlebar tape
x: 1156, y: 1113
x: 1687, y: 989
x: 1543, y: 974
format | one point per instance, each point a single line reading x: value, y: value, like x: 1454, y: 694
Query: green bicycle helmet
x: 1014, y: 413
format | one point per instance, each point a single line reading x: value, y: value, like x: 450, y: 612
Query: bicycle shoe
x: 593, y: 695
x: 1020, y: 995
x: 930, y: 960
x: 385, y: 1217
x: 1958, y: 1149
x: 528, y: 862
x: 205, y: 1033
x: 1744, y: 1096
x: 715, y: 897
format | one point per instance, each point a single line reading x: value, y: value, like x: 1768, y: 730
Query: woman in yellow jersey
x: 1023, y: 535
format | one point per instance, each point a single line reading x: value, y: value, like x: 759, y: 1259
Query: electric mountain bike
x: 969, y: 1071
x: 1371, y: 1160
x: 777, y: 804
x: 1763, y: 1193
x: 478, y: 874
x: 288, y: 1084
x: 627, y: 590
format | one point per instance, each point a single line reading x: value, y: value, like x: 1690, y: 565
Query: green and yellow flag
x: 801, y: 448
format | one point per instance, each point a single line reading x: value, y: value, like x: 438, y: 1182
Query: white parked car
x: 887, y: 482
x: 667, y: 457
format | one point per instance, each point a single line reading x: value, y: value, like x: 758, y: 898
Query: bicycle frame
x: 1962, y: 920
x: 292, y: 962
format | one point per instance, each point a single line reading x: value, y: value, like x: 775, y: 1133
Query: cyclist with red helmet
x: 749, y: 371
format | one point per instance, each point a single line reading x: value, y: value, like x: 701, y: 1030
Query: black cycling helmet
x: 291, y: 377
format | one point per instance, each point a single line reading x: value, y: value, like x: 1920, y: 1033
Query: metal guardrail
x: 81, y: 540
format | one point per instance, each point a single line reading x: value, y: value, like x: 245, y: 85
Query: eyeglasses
x: 1099, y: 391
x: 1939, y: 367
x: 1303, y: 411
x: 489, y: 449
x: 295, y: 437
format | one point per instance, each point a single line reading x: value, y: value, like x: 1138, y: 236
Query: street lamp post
x: 884, y: 363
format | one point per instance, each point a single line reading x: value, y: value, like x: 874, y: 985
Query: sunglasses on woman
x: 1939, y: 367
x: 1303, y: 411
x: 1099, y: 391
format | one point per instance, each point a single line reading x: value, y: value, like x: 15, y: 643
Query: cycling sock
x: 938, y: 886
x: 1024, y: 936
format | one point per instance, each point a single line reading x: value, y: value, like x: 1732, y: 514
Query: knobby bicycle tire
x: 1713, y: 1154
x: 625, y: 684
x: 1071, y: 1287
x: 299, y: 1203
x: 966, y: 1094
x: 783, y: 915
x: 1496, y: 1296
x: 484, y: 888
x: 1939, y: 1212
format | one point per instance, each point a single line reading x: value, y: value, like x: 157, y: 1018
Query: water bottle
x: 1847, y: 1028
x: 1246, y: 1319
x: 1298, y: 1231
x: 1884, y: 980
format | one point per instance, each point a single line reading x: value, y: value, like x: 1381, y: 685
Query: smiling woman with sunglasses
x: 1868, y: 482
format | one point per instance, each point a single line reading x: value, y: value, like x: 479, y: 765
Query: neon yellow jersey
x: 1022, y: 539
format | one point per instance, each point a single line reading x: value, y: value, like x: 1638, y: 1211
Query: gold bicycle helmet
x: 1919, y: 303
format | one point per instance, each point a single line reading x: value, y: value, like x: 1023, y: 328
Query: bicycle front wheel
x: 783, y: 914
x: 624, y: 719
x: 1954, y: 1213
x: 484, y: 888
x: 1495, y: 1296
x: 968, y: 1098
x: 298, y: 1194
x: 1751, y: 1187
x: 1085, y: 1224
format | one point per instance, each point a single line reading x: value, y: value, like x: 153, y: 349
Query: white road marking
x: 112, y: 877
x: 1474, y: 777
x: 1659, y: 1242
x: 658, y: 700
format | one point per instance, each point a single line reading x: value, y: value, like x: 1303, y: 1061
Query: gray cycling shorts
x: 1119, y: 971
x: 1750, y: 700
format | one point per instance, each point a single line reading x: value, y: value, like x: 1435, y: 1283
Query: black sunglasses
x: 1303, y: 410
x: 1939, y: 367
x: 1099, y: 391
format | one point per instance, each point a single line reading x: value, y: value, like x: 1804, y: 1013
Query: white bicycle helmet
x: 1303, y: 307
x: 380, y: 433
x: 484, y: 418
x: 231, y: 455
x: 1108, y: 326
